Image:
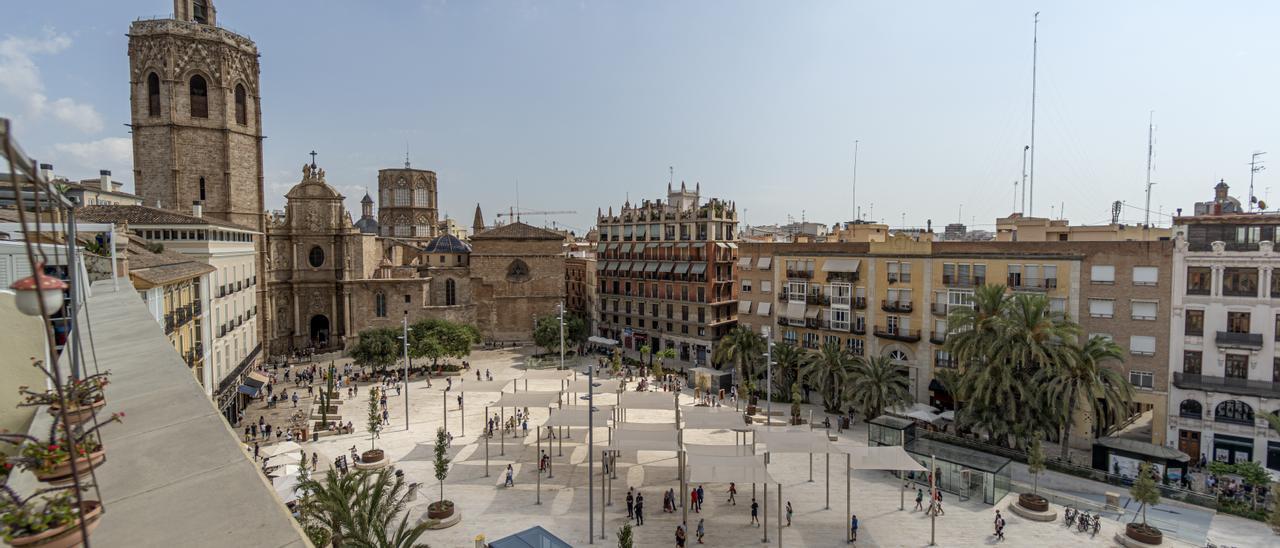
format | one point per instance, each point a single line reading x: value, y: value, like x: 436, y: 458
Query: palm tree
x: 324, y: 509
x: 358, y: 510
x: 1083, y: 380
x: 1034, y: 337
x: 828, y: 369
x: 876, y: 383
x: 787, y: 359
x: 743, y: 347
x: 973, y: 330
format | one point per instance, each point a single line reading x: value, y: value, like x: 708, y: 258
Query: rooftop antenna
x: 1023, y: 209
x: 516, y: 211
x: 1115, y: 211
x: 855, y: 180
x: 1015, y: 196
x: 671, y: 175
x: 406, y: 155
x: 960, y: 214
x: 1255, y: 165
x: 1151, y: 132
x: 1035, y: 50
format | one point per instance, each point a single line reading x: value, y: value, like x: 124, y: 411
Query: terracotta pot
x: 1033, y: 502
x: 77, y: 414
x: 1143, y: 533
x: 62, y: 472
x: 66, y: 536
x: 440, y: 510
x: 372, y: 455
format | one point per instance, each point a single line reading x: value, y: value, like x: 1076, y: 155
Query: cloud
x: 20, y: 79
x: 83, y: 160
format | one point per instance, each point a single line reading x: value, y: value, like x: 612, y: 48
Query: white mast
x: 1151, y: 129
x: 1035, y: 44
x: 855, y: 180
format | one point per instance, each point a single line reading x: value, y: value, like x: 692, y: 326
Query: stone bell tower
x: 196, y: 122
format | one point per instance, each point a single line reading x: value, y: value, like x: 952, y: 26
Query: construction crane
x: 517, y: 214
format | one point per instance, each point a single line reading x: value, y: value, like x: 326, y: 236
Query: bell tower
x: 196, y: 123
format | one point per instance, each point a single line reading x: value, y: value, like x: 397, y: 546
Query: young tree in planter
x: 615, y: 361
x: 795, y: 403
x: 1035, y: 463
x: 1273, y: 519
x: 375, y: 417
x: 442, y: 465
x: 326, y: 396
x: 664, y: 354
x: 1144, y: 491
x: 624, y: 536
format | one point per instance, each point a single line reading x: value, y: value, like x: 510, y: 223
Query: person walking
x: 999, y: 526
x: 996, y: 522
x: 755, y: 512
x: 919, y: 499
x: 631, y: 504
x: 639, y: 509
x: 701, y: 497
x: 295, y: 399
x: 733, y: 490
x: 853, y: 527
x: 789, y: 513
x: 693, y: 499
x: 255, y: 450
x: 511, y: 482
x: 680, y: 536
x: 702, y: 530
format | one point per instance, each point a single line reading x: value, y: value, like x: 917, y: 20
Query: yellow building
x: 172, y: 285
x: 1016, y: 228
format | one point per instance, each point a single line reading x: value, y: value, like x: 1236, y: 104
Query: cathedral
x: 329, y: 278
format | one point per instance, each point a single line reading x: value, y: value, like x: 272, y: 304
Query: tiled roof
x: 161, y: 268
x: 144, y: 215
x: 447, y: 243
x: 517, y: 231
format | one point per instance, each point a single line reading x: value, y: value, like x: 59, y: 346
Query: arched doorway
x: 320, y: 331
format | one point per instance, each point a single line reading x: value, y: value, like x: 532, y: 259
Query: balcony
x: 938, y: 309
x: 819, y: 300
x: 800, y: 274
x: 956, y: 281
x: 896, y: 306
x: 937, y: 338
x: 898, y: 334
x: 1239, y: 387
x: 944, y: 363
x: 860, y: 303
x: 168, y: 324
x: 1251, y: 341
x: 1198, y: 290
x: 842, y: 301
x: 859, y: 329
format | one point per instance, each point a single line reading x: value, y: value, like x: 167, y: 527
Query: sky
x: 584, y: 105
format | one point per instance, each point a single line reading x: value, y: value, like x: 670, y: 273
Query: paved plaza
x: 490, y: 509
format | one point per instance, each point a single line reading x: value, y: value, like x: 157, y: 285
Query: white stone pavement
x: 495, y: 511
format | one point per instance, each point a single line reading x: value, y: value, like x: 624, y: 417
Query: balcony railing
x: 938, y: 309
x: 841, y: 300
x: 1197, y: 290
x: 957, y: 281
x: 1240, y: 340
x: 860, y: 303
x: 1239, y: 387
x: 937, y: 338
x: 800, y: 274
x: 944, y: 363
x: 820, y: 300
x: 858, y: 329
x: 898, y: 334
x: 895, y: 306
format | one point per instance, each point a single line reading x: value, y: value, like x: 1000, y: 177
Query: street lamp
x: 405, y: 338
x: 768, y: 382
x: 591, y: 440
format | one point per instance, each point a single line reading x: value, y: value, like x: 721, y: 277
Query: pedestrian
x: 733, y: 490
x: 999, y: 526
x: 755, y: 512
x: 919, y: 499
x: 701, y: 497
x: 511, y: 482
x: 693, y: 499
x: 314, y: 460
x: 853, y: 526
x: 631, y: 502
x: 701, y: 530
x: 680, y: 536
x: 996, y: 522
x: 386, y: 418
x: 524, y: 428
x: 255, y: 450
x: 639, y: 509
x: 459, y: 402
x: 789, y: 513
x: 295, y: 399
x: 477, y: 375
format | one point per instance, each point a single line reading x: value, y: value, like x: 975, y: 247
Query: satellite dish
x: 1262, y: 204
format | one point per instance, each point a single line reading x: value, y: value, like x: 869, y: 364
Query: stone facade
x: 518, y: 274
x: 407, y: 203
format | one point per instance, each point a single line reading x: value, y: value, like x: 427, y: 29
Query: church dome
x: 447, y: 243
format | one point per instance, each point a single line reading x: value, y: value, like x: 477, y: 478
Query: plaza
x: 490, y: 509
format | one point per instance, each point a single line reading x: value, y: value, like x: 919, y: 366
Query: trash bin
x: 315, y: 436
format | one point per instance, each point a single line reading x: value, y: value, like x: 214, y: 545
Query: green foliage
x: 35, y: 515
x: 1251, y: 473
x: 744, y: 349
x: 326, y: 395
x: 828, y: 369
x: 659, y: 357
x: 795, y: 403
x: 1273, y: 419
x: 787, y: 358
x: 1273, y: 519
x: 624, y: 536
x: 1082, y: 379
x: 876, y: 383
x: 435, y: 339
x: 1035, y: 463
x: 375, y: 417
x: 442, y: 459
x: 546, y: 332
x: 378, y: 348
x: 1144, y: 490
x: 359, y: 509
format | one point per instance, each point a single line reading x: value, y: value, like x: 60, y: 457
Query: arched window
x: 242, y: 115
x: 517, y: 271
x: 1233, y: 411
x: 450, y: 292
x: 402, y: 196
x: 200, y: 11
x: 380, y: 305
x: 199, y: 97
x: 1191, y: 409
x: 420, y: 198
x: 202, y: 189
x: 898, y: 355
x: 153, y: 95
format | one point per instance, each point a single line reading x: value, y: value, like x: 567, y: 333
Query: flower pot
x: 62, y: 472
x: 751, y: 409
x: 1033, y: 502
x: 372, y: 455
x: 66, y: 536
x: 77, y: 414
x: 440, y: 510
x: 1142, y: 532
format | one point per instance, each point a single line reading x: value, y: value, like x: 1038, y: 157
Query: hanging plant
x: 50, y: 459
x: 39, y: 520
x: 83, y: 396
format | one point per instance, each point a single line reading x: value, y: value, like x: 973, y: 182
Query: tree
x: 624, y: 536
x: 664, y: 354
x: 787, y: 360
x: 434, y: 338
x: 377, y: 348
x: 795, y: 403
x: 744, y: 348
x: 575, y: 331
x: 1273, y: 419
x: 1081, y: 378
x: 1035, y: 464
x: 828, y: 369
x: 646, y: 354
x: 615, y: 361
x: 325, y: 507
x: 1144, y: 491
x: 326, y: 395
x: 876, y: 383
x: 383, y: 496
x: 374, y: 418
x: 442, y: 460
x: 546, y: 334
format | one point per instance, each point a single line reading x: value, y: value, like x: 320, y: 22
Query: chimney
x: 104, y: 179
x: 197, y: 209
x: 46, y: 170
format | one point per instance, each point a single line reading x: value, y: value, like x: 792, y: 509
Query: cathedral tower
x: 407, y: 203
x: 197, y: 128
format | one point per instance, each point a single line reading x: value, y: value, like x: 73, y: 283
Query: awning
x: 666, y: 267
x: 481, y: 386
x: 764, y: 262
x: 600, y: 265
x: 625, y: 266
x: 280, y: 448
x: 744, y: 307
x: 682, y: 268
x: 840, y: 265
x: 705, y: 418
x: 527, y: 399
x: 812, y: 313
x: 721, y: 245
x: 579, y: 386
x: 639, y: 248
x: 600, y: 248
x: 601, y: 340
x: 795, y: 311
x: 651, y: 266
x: 744, y: 262
x: 732, y: 245
x: 576, y: 416
x: 797, y: 441
x: 764, y: 308
x: 613, y: 265
x: 892, y: 457
x: 647, y: 400
x: 248, y: 390
x: 255, y: 379
x: 698, y: 268
x: 726, y: 469
x: 626, y: 248
x: 682, y: 246
x: 665, y: 244
x: 547, y: 374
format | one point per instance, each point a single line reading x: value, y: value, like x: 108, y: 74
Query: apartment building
x: 665, y: 274
x: 1224, y: 333
x: 580, y: 284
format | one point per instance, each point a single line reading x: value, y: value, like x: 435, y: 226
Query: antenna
x: 1255, y: 165
x: 1035, y: 50
x: 1025, y: 148
x: 1115, y: 212
x: 960, y: 214
x: 406, y: 155
x: 671, y: 175
x: 516, y: 211
x: 1015, y: 197
x: 855, y: 180
x: 1151, y: 132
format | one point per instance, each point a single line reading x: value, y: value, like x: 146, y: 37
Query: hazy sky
x: 761, y: 102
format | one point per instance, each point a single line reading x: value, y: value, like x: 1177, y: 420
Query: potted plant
x: 1035, y: 465
x: 375, y: 428
x: 50, y: 459
x: 1144, y: 491
x: 443, y: 508
x: 751, y: 396
x: 795, y: 404
x: 46, y: 521
x: 83, y: 397
x: 625, y: 539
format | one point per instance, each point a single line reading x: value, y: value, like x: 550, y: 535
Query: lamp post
x: 768, y: 382
x: 591, y: 440
x: 561, y: 310
x: 405, y: 337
